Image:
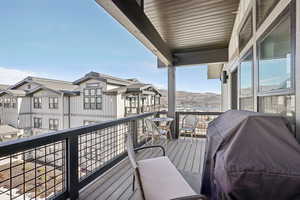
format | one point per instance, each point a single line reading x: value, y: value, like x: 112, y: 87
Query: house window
x: 53, y: 102
x: 282, y: 104
x: 37, y: 102
x: 246, y: 82
x: 13, y: 103
x: 246, y: 32
x: 275, y: 64
x: 92, y: 98
x: 37, y: 122
x: 1, y: 102
x: 53, y: 124
x: 157, y: 100
x: 263, y: 9
x: 7, y: 103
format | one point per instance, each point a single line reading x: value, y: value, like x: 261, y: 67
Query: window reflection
x: 246, y: 32
x: 246, y: 83
x: 264, y: 7
x: 275, y: 58
x: 284, y: 105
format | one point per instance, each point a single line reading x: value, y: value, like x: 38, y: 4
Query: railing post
x: 72, y: 167
x: 177, y: 121
x: 134, y: 129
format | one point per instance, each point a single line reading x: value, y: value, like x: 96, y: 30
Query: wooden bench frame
x: 137, y: 174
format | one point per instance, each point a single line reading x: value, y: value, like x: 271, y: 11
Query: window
x: 246, y: 83
x: 276, y: 66
x: 92, y: 98
x: 263, y: 9
x: 275, y: 58
x: 157, y: 100
x: 37, y: 122
x: 13, y: 103
x: 37, y: 102
x: 246, y: 32
x: 1, y: 102
x: 28, y: 86
x: 284, y: 105
x: 7, y: 103
x: 53, y: 102
x: 53, y: 124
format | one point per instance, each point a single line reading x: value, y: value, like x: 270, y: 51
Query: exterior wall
x: 24, y: 106
x: 45, y: 112
x: 25, y: 86
x: 244, y: 9
x: 9, y: 115
x: 235, y: 55
x: 78, y: 114
x: 120, y: 106
x: 70, y: 112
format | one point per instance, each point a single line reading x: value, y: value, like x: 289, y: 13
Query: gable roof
x: 135, y: 87
x: 69, y: 92
x: 105, y: 78
x: 16, y: 93
x: 3, y: 87
x: 56, y: 85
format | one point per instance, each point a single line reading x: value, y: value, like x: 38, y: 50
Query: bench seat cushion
x: 161, y: 180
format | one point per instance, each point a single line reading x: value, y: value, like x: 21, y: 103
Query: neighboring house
x: 39, y: 105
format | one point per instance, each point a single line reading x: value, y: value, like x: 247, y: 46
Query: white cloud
x: 11, y: 76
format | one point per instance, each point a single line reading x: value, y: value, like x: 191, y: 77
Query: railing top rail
x: 15, y: 146
x: 198, y: 113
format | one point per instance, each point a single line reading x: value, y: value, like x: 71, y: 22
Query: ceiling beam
x: 132, y: 17
x: 219, y: 55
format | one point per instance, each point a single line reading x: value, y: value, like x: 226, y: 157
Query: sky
x: 65, y: 39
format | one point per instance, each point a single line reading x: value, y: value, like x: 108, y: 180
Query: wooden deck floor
x: 116, y: 184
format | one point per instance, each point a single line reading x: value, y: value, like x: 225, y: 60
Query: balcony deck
x: 116, y: 184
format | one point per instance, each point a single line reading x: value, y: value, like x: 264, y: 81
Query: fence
x: 57, y: 165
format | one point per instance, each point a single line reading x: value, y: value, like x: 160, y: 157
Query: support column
x: 172, y: 96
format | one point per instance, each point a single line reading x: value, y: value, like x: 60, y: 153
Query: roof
x: 106, y: 78
x: 135, y: 87
x: 72, y: 88
x: 52, y: 84
x: 192, y: 24
x: 169, y: 28
x: 7, y: 130
x: 2, y: 86
x: 17, y: 93
x: 55, y: 84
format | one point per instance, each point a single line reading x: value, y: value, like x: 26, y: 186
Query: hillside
x: 194, y: 101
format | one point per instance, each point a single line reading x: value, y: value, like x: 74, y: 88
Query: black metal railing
x: 57, y: 165
x: 143, y: 109
x: 203, y: 119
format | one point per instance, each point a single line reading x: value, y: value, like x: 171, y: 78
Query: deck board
x: 116, y: 184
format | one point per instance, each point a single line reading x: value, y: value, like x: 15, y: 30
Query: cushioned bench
x: 158, y: 178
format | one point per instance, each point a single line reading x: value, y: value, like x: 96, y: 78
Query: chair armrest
x: 193, y: 197
x: 151, y: 147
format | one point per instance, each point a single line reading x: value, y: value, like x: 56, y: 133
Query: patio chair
x: 188, y: 125
x: 153, y: 130
x: 157, y: 178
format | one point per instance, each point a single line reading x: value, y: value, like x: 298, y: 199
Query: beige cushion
x: 161, y: 180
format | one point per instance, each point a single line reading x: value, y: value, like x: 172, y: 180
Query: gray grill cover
x: 251, y: 156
